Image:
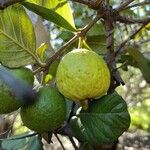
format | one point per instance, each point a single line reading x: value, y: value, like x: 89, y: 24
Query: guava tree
x: 111, y: 30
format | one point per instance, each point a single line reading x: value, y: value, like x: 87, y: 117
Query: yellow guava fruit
x: 82, y: 75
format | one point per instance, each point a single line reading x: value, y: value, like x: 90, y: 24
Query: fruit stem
x: 72, y: 111
x: 43, y: 78
x: 80, y: 44
x: 84, y: 104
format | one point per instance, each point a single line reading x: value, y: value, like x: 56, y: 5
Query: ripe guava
x: 82, y: 75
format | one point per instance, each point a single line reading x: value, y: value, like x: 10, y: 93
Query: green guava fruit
x: 47, y: 113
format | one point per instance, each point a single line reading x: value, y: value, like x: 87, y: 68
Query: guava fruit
x: 8, y: 101
x: 47, y: 113
x: 82, y: 75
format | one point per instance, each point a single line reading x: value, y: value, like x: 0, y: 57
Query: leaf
x: 17, y: 38
x: 13, y: 144
x: 97, y: 29
x: 53, y: 67
x: 49, y: 15
x: 48, y: 78
x: 127, y: 60
x: 129, y: 12
x: 18, y: 127
x: 105, y: 120
x: 143, y: 63
x: 97, y: 43
x: 33, y: 143
x: 62, y: 8
x: 42, y: 37
x: 41, y: 50
x: 143, y: 32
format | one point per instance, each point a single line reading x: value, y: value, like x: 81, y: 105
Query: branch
x: 127, y: 20
x: 94, y: 4
x: 128, y: 39
x: 73, y: 143
x: 57, y: 53
x: 123, y: 5
x: 71, y: 112
x: 85, y: 2
x: 6, y: 3
x: 110, y: 58
x: 138, y: 4
x: 65, y: 130
x: 59, y: 141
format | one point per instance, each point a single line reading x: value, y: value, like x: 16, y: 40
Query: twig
x: 110, y: 58
x: 72, y: 111
x: 73, y: 143
x: 137, y: 5
x: 37, y: 70
x: 128, y: 39
x: 59, y: 141
x: 86, y: 2
x: 72, y: 40
x: 123, y: 5
x: 65, y: 130
x: 122, y: 65
x: 94, y: 4
x: 6, y: 3
x: 50, y: 134
x: 127, y: 20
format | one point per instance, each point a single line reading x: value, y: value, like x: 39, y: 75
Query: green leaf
x: 62, y: 7
x: 129, y: 12
x: 50, y: 15
x: 41, y: 50
x: 127, y: 60
x: 105, y: 120
x: 97, y: 29
x: 18, y: 127
x: 143, y: 63
x: 143, y: 32
x: 33, y: 143
x: 17, y: 38
x: 53, y: 67
x: 97, y: 43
